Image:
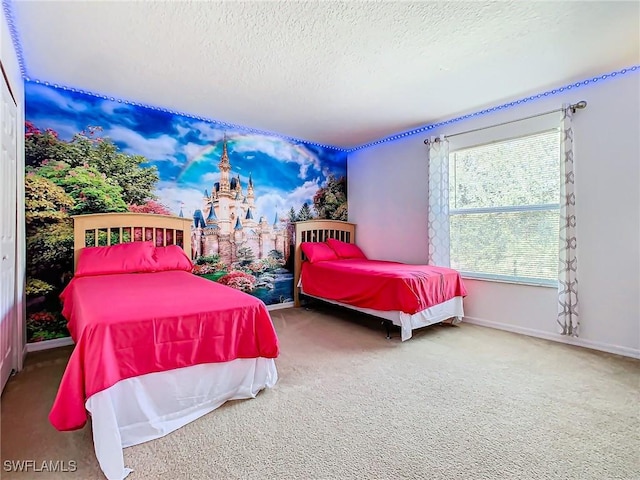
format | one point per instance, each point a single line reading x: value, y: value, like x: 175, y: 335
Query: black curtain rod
x: 576, y: 106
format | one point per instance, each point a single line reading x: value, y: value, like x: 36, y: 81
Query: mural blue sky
x: 186, y: 151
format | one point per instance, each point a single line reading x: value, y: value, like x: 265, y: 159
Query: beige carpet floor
x: 461, y: 402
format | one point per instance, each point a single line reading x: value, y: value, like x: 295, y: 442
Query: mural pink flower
x: 239, y: 280
x: 151, y: 206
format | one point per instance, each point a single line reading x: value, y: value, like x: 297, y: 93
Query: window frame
x: 532, y: 281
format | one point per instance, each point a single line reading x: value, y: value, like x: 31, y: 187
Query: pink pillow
x: 131, y: 257
x: 345, y: 250
x: 318, y: 251
x: 172, y: 257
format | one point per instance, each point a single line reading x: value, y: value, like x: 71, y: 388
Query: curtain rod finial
x: 581, y: 104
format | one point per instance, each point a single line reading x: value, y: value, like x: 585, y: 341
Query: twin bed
x: 408, y: 296
x: 158, y: 347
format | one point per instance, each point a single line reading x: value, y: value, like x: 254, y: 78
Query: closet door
x: 8, y: 215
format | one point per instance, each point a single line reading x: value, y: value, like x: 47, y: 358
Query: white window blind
x: 504, y: 209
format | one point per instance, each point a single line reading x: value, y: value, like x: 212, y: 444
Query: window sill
x: 531, y: 283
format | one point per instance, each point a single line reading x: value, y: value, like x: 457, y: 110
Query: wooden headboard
x: 317, y: 231
x: 104, y: 228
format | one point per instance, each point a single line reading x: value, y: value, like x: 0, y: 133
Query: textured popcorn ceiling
x: 341, y: 73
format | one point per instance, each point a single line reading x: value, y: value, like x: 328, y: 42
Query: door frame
x: 19, y: 328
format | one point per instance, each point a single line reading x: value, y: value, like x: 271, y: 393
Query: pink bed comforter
x: 381, y: 285
x: 128, y: 325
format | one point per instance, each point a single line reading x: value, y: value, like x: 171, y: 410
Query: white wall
x: 388, y: 201
x: 12, y: 70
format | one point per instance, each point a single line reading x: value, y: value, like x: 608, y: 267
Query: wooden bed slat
x: 84, y: 225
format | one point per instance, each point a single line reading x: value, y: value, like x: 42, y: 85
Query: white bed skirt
x: 450, y: 309
x: 144, y: 408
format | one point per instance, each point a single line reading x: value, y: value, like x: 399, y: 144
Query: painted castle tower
x: 227, y: 224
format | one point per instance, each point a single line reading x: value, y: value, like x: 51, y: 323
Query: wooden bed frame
x: 317, y: 231
x: 223, y: 382
x: 121, y: 222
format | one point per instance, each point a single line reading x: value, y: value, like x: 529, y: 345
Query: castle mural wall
x: 227, y: 223
x: 88, y: 154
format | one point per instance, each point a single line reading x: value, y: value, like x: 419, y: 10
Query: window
x: 504, y: 210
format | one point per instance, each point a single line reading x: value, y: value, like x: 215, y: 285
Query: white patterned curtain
x: 438, y: 213
x: 568, y: 320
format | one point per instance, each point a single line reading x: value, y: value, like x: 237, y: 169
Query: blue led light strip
x: 8, y: 13
x: 390, y: 138
x: 548, y: 93
x: 188, y: 115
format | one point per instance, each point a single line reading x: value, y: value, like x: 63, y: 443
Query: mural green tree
x: 245, y: 256
x: 49, y: 246
x: 88, y: 150
x: 85, y: 175
x: 292, y: 215
x: 304, y: 213
x: 276, y: 255
x: 330, y: 201
x: 45, y: 202
x: 49, y: 234
x: 127, y: 171
x: 91, y: 190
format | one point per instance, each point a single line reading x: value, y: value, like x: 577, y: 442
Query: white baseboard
x: 47, y: 344
x: 278, y: 306
x: 579, y: 342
